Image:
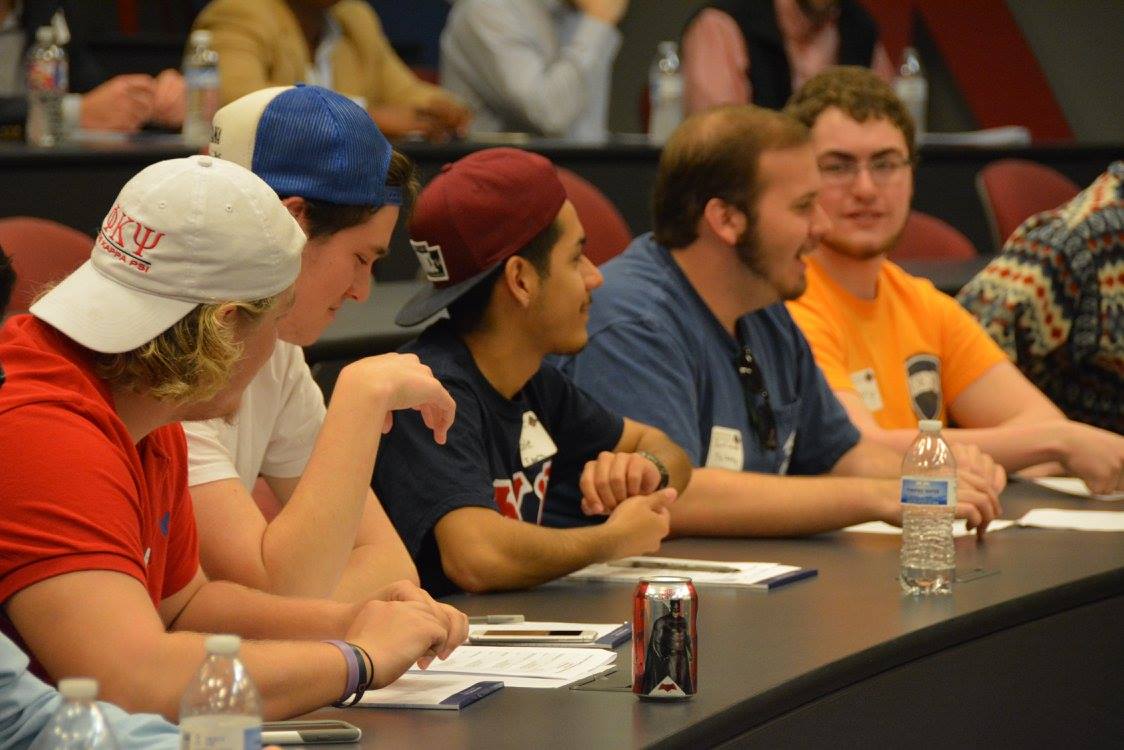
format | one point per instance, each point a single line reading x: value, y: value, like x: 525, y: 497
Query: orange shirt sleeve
x: 824, y: 336
x: 967, y: 352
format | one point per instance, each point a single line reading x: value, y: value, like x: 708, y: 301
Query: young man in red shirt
x: 169, y: 320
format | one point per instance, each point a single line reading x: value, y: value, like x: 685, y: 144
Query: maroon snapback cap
x: 476, y: 213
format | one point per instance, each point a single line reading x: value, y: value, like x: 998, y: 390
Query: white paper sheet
x: 419, y: 691
x: 630, y: 569
x: 959, y: 527
x: 520, y: 666
x: 1081, y: 520
x: 1074, y: 486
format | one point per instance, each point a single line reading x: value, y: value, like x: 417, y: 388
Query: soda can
x: 665, y: 639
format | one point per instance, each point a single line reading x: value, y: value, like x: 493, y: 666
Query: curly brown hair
x: 859, y: 93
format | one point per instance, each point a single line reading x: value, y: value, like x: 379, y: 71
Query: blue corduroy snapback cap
x: 307, y: 141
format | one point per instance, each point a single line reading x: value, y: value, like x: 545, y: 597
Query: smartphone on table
x: 513, y: 636
x: 306, y: 732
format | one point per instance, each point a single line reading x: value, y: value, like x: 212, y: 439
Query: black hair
x: 467, y: 311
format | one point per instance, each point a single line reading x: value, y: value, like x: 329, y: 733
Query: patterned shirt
x: 1054, y: 300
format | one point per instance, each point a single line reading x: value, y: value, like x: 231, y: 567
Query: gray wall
x: 1079, y: 44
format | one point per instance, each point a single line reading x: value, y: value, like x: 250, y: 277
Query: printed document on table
x: 757, y: 575
x: 430, y: 691
x: 519, y: 666
x: 1074, y: 486
x: 959, y: 527
x: 1081, y: 520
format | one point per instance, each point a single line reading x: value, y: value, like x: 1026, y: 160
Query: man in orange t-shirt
x: 893, y: 348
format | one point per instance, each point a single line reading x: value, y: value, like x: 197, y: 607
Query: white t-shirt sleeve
x: 273, y: 432
x: 297, y: 422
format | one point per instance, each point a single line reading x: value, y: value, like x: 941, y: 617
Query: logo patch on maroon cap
x: 431, y: 260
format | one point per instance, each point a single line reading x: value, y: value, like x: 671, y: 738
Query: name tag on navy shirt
x: 535, y: 444
x: 726, y: 449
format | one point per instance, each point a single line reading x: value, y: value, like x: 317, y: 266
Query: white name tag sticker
x: 866, y: 384
x: 726, y: 449
x: 535, y: 443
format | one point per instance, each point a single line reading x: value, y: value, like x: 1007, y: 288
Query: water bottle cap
x: 79, y: 688
x: 224, y: 645
x: 200, y: 36
x: 44, y: 34
x: 668, y: 46
x: 930, y: 425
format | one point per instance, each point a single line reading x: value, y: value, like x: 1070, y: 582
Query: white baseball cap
x: 181, y: 233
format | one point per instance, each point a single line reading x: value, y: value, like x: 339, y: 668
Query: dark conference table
x: 1028, y: 655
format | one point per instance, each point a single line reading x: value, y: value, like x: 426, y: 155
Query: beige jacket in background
x: 260, y: 44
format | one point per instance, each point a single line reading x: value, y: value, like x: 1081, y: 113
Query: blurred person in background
x: 760, y: 51
x: 536, y: 66
x: 123, y: 103
x: 337, y: 44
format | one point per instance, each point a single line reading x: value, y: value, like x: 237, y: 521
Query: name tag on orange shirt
x: 866, y: 384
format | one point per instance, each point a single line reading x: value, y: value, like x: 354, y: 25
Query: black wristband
x: 665, y: 478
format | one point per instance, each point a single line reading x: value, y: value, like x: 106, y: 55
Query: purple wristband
x: 352, y: 669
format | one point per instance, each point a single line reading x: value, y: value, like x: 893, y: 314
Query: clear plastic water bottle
x: 201, y: 76
x: 665, y: 93
x: 928, y: 506
x: 912, y: 88
x: 48, y: 74
x: 78, y: 724
x: 221, y: 708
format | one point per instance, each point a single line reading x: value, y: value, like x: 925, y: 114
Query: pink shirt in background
x: 716, y: 61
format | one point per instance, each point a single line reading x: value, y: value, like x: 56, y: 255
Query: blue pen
x: 777, y: 581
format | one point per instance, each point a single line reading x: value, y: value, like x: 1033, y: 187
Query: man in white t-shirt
x: 344, y: 184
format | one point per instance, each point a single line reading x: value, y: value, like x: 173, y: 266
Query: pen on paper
x: 658, y: 565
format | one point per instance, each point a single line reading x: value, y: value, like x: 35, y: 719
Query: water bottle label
x: 201, y: 77
x: 929, y: 491
x: 219, y: 737
x: 44, y: 75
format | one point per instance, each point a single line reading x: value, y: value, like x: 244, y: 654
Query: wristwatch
x: 664, y: 476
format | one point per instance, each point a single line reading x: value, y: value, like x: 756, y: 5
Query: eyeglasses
x: 842, y: 172
x: 753, y: 388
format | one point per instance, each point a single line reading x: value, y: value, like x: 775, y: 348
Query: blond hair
x: 189, y: 362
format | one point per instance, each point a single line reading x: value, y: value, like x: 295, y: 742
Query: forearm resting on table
x: 225, y: 607
x: 1014, y: 447
x: 484, y: 551
x: 721, y: 502
x: 102, y: 624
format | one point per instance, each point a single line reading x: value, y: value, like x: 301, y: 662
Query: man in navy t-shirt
x: 529, y: 452
x: 691, y: 319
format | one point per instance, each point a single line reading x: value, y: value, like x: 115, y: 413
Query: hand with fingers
x: 123, y: 103
x: 611, y: 478
x: 979, y: 482
x: 1093, y: 454
x: 401, y: 381
x: 640, y: 523
x: 454, y: 621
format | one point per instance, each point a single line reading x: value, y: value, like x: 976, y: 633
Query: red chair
x: 1013, y: 190
x: 43, y: 252
x: 926, y: 237
x: 606, y: 231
